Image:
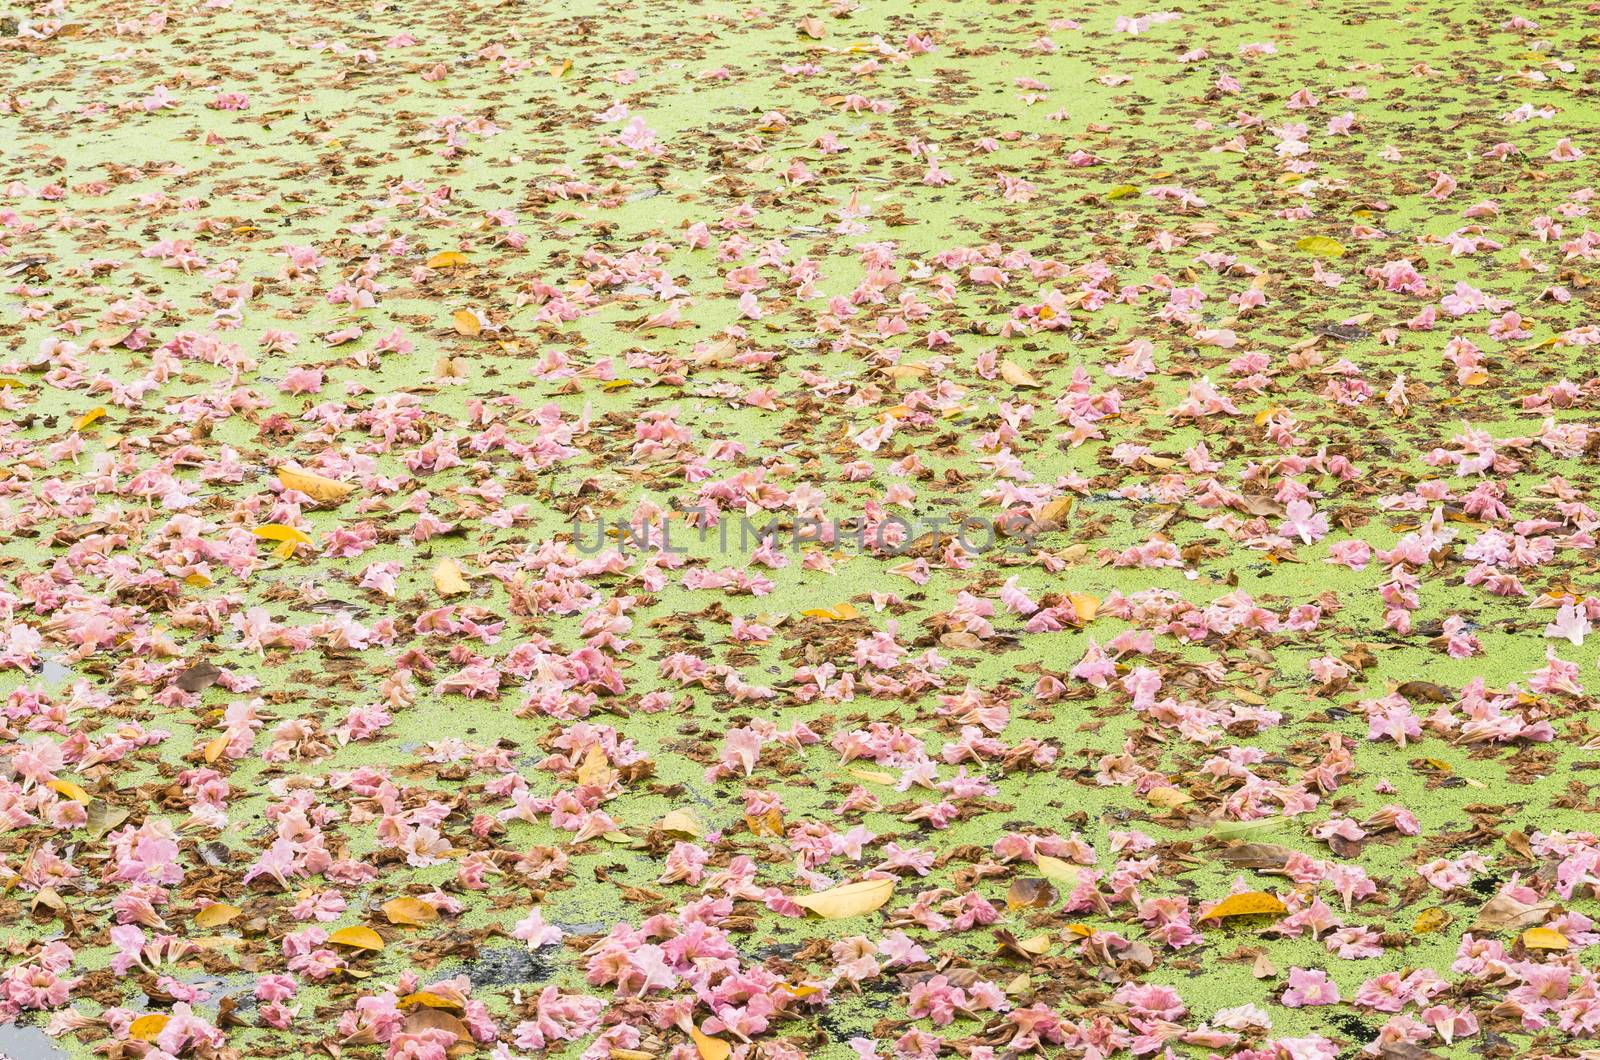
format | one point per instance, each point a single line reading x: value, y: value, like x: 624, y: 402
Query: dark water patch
x: 512, y: 966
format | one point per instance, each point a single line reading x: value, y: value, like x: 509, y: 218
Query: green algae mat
x: 707, y: 531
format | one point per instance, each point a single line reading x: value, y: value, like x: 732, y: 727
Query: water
x: 28, y: 1043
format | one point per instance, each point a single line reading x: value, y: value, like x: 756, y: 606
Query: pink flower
x: 1307, y: 987
x: 532, y: 930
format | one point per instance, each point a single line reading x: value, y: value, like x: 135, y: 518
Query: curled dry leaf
x: 1029, y: 892
x: 1504, y: 913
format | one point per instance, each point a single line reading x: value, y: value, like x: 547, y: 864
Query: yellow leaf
x: 1476, y: 378
x: 1168, y: 798
x: 1543, y: 938
x: 848, y: 900
x: 326, y: 490
x: 447, y: 259
x: 359, y: 937
x: 1056, y: 511
x: 617, y: 384
x: 1122, y: 191
x: 197, y: 580
x: 98, y: 412
x: 1248, y: 903
x: 215, y: 748
x: 595, y: 767
x: 466, y: 322
x: 769, y: 823
x: 279, y: 532
x: 684, y: 823
x: 710, y: 1048
x: 216, y: 914
x: 873, y: 776
x: 898, y: 372
x: 836, y: 613
x: 1016, y: 375
x: 1320, y: 246
x: 1431, y: 920
x: 429, y: 1000
x: 1063, y: 872
x: 70, y: 790
x: 447, y: 578
x: 1266, y: 414
x: 411, y: 912
x: 1085, y: 606
x: 148, y: 1028
x: 1034, y: 946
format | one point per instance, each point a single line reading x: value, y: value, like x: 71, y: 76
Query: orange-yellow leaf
x: 466, y: 322
x: 148, y: 1028
x: 710, y: 1048
x: 70, y: 790
x: 98, y: 412
x: 1247, y: 903
x: 595, y: 767
x: 1543, y: 938
x: 837, y: 613
x: 1085, y: 606
x: 215, y: 748
x: 411, y: 912
x: 279, y: 532
x: 359, y: 937
x: 447, y: 259
x: 326, y: 490
x: 769, y: 823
